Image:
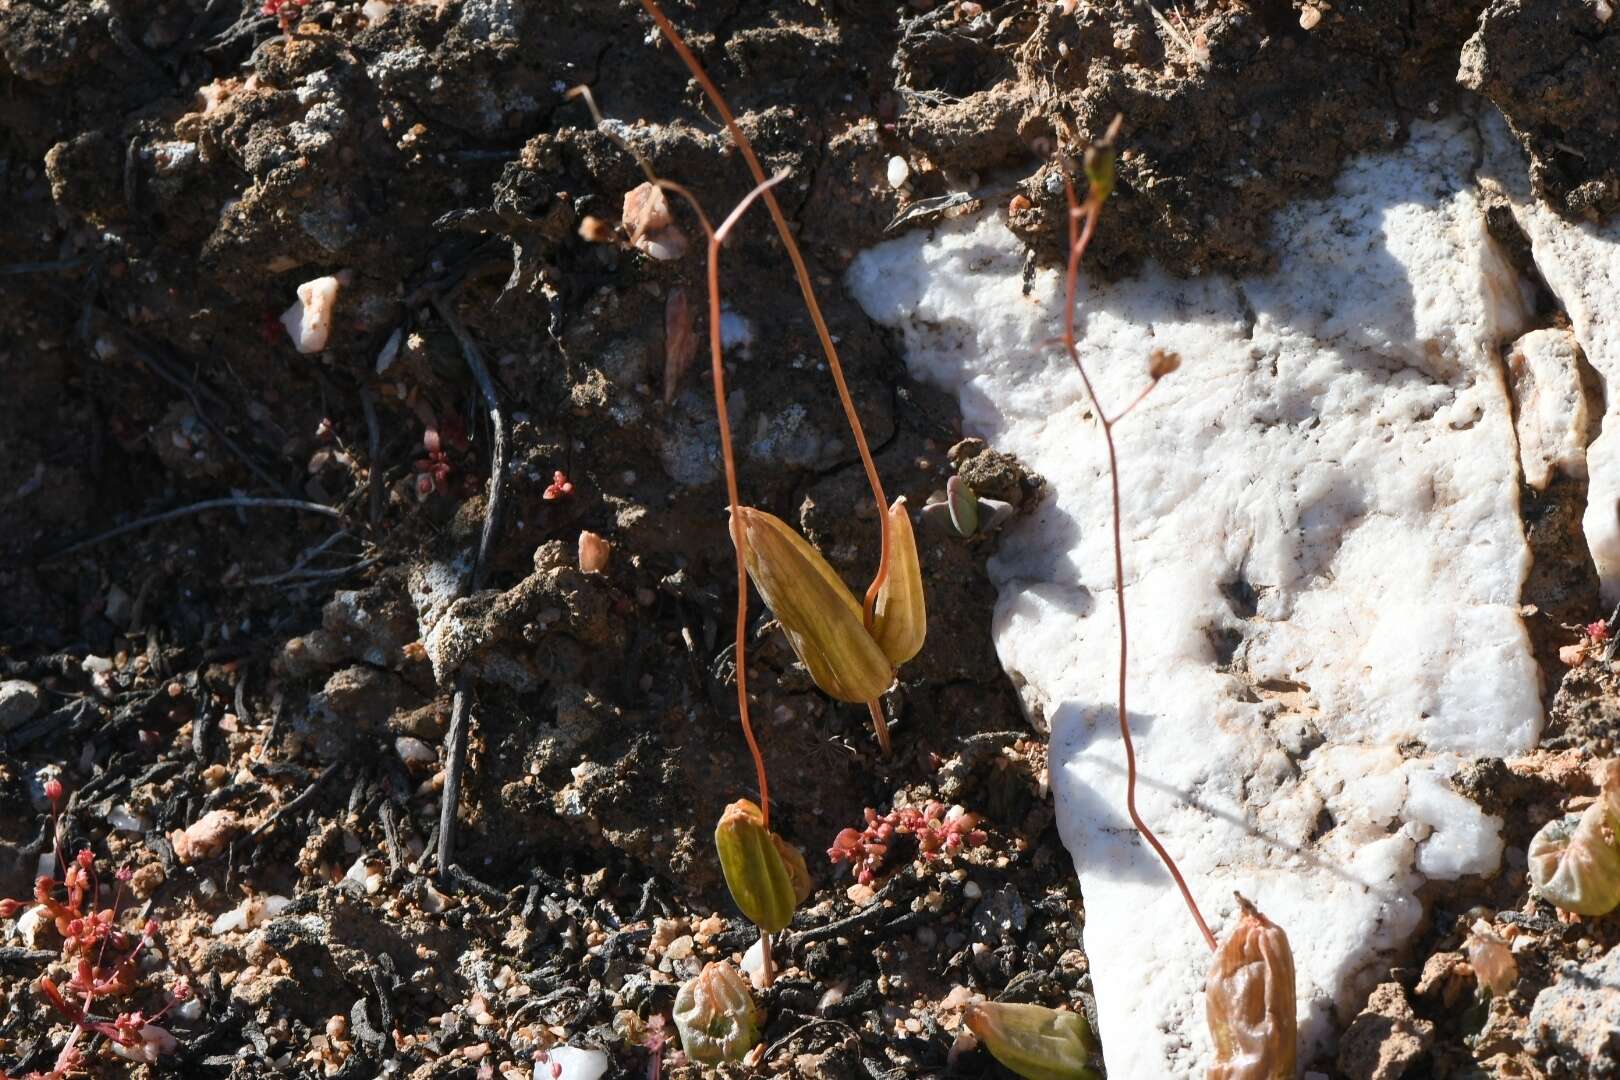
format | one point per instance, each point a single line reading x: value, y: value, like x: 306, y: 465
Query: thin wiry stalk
x: 803, y: 274
x: 739, y: 540
x: 1082, y: 223
x: 880, y: 724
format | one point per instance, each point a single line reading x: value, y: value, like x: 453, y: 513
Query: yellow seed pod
x: 1249, y: 999
x: 1033, y: 1041
x: 899, y: 616
x: 821, y: 619
x: 766, y: 875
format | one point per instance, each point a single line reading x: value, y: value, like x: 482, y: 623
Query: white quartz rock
x: 309, y: 320
x: 1323, y: 566
x: 1545, y: 378
x: 1580, y: 262
x: 571, y: 1063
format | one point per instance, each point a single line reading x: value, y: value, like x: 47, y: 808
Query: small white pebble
x: 1603, y: 10
x: 1309, y: 16
x: 899, y: 171
x: 309, y: 320
x: 971, y: 890
x: 753, y: 964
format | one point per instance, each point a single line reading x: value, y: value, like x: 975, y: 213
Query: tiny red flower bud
x: 53, y: 789
x: 152, y: 928
x: 125, y: 873
x: 86, y: 858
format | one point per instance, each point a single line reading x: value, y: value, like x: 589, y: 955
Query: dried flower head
x: 1574, y: 862
x: 1249, y: 999
x: 1033, y: 1041
x: 715, y: 1015
x: 1491, y: 959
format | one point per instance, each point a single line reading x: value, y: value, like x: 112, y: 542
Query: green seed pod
x: 1033, y: 1041
x: 715, y: 1015
x: 1250, y: 1001
x: 766, y: 875
x: 900, y: 615
x: 1099, y: 161
x: 824, y: 624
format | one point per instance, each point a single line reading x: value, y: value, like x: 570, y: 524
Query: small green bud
x: 1099, y: 162
x: 715, y: 1015
x: 1033, y: 1041
x: 767, y: 876
x: 822, y: 621
x: 900, y: 615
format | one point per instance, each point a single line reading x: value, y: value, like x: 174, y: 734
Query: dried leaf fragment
x: 680, y: 345
x: 1249, y: 1000
x: 1491, y: 959
x: 1033, y: 1041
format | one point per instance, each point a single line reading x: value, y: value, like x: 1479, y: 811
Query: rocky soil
x: 246, y: 705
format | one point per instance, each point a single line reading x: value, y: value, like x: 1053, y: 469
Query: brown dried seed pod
x: 1249, y: 998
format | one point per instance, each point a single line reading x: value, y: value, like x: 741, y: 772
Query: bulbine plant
x: 851, y: 650
x: 886, y: 513
x: 1250, y: 994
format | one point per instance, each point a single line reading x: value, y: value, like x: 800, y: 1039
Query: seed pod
x: 715, y: 1015
x: 900, y: 616
x: 1033, y: 1041
x: 822, y: 621
x: 766, y: 875
x: 1249, y: 999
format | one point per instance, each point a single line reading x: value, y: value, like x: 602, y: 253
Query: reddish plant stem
x: 739, y: 540
x: 1079, y: 240
x: 800, y: 271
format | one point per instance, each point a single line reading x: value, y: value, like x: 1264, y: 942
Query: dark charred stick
x: 243, y: 502
x: 374, y: 469
x: 456, y: 741
x: 869, y: 914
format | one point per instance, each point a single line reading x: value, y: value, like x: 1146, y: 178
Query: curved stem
x: 739, y: 540
x: 1079, y: 240
x: 880, y: 725
x: 803, y: 274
